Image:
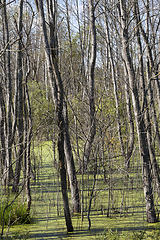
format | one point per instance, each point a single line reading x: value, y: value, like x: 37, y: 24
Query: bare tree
x: 139, y: 117
x: 91, y: 90
x: 57, y: 94
x: 108, y: 41
x: 19, y: 80
x: 8, y: 134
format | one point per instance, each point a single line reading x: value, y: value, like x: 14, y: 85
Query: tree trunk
x: 113, y: 70
x: 19, y: 79
x: 92, y: 125
x: 8, y: 129
x: 28, y: 123
x: 130, y: 121
x: 2, y: 133
x: 57, y: 95
x: 154, y: 167
x: 139, y: 117
x: 70, y: 165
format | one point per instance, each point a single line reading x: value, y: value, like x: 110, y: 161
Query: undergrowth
x: 15, y: 214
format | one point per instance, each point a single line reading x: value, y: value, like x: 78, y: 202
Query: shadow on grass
x: 80, y: 234
x: 62, y: 234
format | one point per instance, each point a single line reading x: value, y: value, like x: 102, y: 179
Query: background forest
x: 83, y: 78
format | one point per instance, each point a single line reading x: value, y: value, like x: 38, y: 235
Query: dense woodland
x: 84, y: 75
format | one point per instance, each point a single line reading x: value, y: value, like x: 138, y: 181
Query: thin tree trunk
x: 130, y: 121
x: 67, y: 143
x: 28, y: 138
x: 151, y: 63
x: 8, y: 130
x: 70, y: 45
x: 57, y: 95
x: 154, y: 167
x: 70, y: 165
x: 92, y: 130
x: 141, y: 131
x: 2, y: 133
x: 115, y: 87
x: 19, y: 79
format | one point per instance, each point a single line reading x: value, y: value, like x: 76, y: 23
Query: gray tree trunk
x: 70, y: 165
x: 19, y: 79
x: 7, y: 177
x: 67, y: 143
x: 2, y: 133
x: 139, y: 117
x: 154, y: 164
x: 28, y: 126
x: 57, y: 95
x: 130, y: 121
x: 113, y: 70
x: 92, y: 125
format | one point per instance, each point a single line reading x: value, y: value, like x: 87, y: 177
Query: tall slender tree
x: 57, y: 94
x: 91, y: 84
x: 8, y: 172
x: 139, y: 116
x: 19, y: 80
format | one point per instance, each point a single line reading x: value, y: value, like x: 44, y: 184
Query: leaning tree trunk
x: 139, y: 117
x: 57, y: 95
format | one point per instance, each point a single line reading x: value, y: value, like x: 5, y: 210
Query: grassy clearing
x: 127, y: 219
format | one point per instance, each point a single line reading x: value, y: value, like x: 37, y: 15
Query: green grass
x: 127, y: 218
x: 14, y: 214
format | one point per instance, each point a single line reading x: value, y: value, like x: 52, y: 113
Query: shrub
x: 15, y: 214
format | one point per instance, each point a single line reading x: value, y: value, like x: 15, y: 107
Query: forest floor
x: 49, y: 222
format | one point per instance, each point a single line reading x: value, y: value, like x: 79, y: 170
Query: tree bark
x: 70, y: 165
x: 19, y: 79
x: 92, y: 125
x: 139, y: 117
x: 28, y: 122
x: 7, y: 177
x: 154, y: 164
x: 113, y: 70
x: 57, y: 95
x: 2, y: 133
